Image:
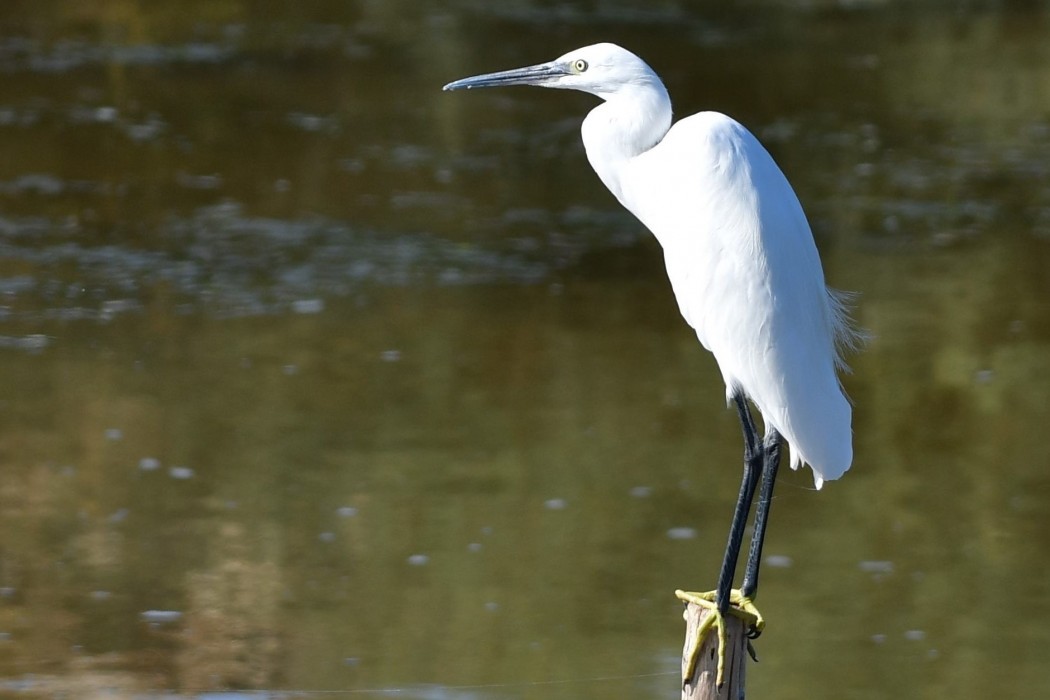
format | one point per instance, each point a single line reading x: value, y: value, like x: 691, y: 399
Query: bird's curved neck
x: 627, y: 124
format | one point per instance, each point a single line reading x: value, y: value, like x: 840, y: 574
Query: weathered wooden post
x: 703, y: 684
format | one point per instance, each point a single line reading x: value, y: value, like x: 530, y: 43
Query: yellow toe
x: 740, y: 607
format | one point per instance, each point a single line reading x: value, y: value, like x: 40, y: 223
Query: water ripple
x: 222, y: 261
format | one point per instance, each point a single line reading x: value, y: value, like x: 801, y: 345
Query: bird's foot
x: 739, y: 606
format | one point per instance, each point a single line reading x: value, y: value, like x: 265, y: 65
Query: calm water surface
x: 316, y: 378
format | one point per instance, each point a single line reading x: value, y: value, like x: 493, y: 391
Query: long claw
x: 740, y: 607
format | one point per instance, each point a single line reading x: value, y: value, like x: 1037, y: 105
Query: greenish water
x: 317, y: 378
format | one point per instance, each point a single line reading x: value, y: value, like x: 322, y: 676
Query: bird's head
x: 600, y: 69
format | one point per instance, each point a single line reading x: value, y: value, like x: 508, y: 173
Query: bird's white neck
x: 629, y: 123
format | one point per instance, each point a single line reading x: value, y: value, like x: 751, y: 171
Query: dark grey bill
x: 530, y: 75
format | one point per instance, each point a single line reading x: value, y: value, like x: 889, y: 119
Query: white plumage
x: 739, y: 252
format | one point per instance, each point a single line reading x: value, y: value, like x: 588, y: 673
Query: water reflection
x: 317, y: 379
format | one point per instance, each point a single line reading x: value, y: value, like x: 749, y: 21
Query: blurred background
x: 315, y: 378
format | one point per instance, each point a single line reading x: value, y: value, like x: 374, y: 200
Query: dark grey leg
x: 753, y: 460
x: 770, y: 464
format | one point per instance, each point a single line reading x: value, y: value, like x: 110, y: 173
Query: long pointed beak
x: 540, y: 74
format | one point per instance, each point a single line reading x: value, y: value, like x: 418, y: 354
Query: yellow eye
x: 579, y: 65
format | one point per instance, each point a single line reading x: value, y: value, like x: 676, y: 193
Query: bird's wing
x: 745, y: 270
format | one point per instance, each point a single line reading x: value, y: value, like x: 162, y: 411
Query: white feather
x: 740, y: 257
x: 739, y: 251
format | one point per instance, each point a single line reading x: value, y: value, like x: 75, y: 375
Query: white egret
x: 743, y: 266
